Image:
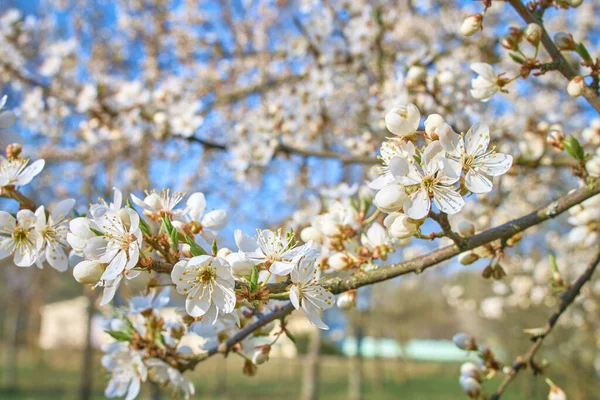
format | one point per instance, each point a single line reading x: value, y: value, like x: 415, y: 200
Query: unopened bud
x: 510, y: 42
x: 467, y: 258
x: 533, y: 33
x: 593, y: 167
x: 415, y: 75
x: 555, y: 138
x: 472, y: 370
x: 498, y: 272
x: 87, y: 272
x: 338, y: 261
x: 347, y: 300
x: 464, y: 342
x: 249, y: 368
x: 261, y: 354
x: 432, y: 123
x: 564, y: 41
x: 470, y: 386
x: 576, y: 86
x: 13, y: 150
x: 311, y: 233
x: 466, y: 228
x: 471, y: 25
x: 487, y: 272
x: 575, y: 3
x: 223, y: 252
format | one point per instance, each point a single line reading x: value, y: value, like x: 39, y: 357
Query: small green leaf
x: 573, y: 148
x: 517, y: 58
x: 120, y: 336
x: 254, y: 279
x: 553, y: 263
x: 583, y: 52
x: 195, y: 249
x: 144, y: 227
x: 214, y: 248
x: 96, y: 232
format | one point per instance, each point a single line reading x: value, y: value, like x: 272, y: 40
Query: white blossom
x: 403, y: 120
x: 127, y: 370
x: 486, y: 84
x: 308, y: 295
x: 52, y: 234
x: 16, y: 172
x: 18, y: 237
x: 207, y: 284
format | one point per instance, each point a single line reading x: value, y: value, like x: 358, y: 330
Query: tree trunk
x: 355, y: 375
x: 86, y: 379
x: 10, y: 355
x: 310, y: 382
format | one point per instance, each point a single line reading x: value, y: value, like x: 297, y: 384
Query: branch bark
x: 528, y: 358
x: 563, y: 65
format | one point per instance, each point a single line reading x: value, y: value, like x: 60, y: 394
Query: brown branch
x: 418, y: 264
x: 528, y: 358
x: 563, y: 65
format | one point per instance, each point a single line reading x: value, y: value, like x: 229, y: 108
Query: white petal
x: 282, y: 268
x: 216, y: 219
x: 56, y: 257
x: 418, y: 204
x: 478, y: 183
x: 62, y: 209
x: 399, y: 167
x: 447, y: 200
x: 494, y: 164
x: 25, y: 258
x: 197, y: 205
x: 295, y: 297
x: 30, y: 172
x: 116, y: 266
x: 110, y: 289
x: 485, y: 70
x: 7, y: 222
x: 477, y: 139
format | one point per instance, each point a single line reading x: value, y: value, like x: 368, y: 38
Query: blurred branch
x: 562, y: 64
x: 568, y: 297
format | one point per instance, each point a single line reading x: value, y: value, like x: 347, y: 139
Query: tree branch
x: 528, y: 358
x: 563, y: 65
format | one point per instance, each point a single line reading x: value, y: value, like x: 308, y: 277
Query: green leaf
x: 214, y: 248
x: 171, y: 232
x: 195, y: 248
x: 517, y: 58
x: 96, y: 232
x: 573, y: 148
x: 553, y: 263
x: 254, y: 279
x: 583, y: 52
x: 120, y: 336
x: 145, y: 228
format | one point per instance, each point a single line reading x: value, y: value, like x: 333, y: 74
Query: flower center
x: 428, y: 183
x: 20, y: 235
x: 207, y: 274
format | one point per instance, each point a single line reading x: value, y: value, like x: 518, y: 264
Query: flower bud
x: 575, y: 3
x: 472, y: 370
x: 249, y: 368
x: 347, y: 300
x: 471, y: 25
x: 223, y: 252
x: 533, y: 33
x: 470, y: 386
x: 432, y: 123
x: 564, y: 41
x: 415, y: 75
x: 576, y: 86
x: 186, y: 250
x: 311, y: 233
x: 338, y: 261
x: 464, y: 341
x: 555, y: 393
x: 446, y: 78
x: 593, y: 167
x: 401, y: 226
x: 466, y: 228
x: 390, y: 198
x: 13, y: 150
x: 261, y: 354
x: 88, y: 272
x: 403, y: 120
x: 555, y: 138
x: 467, y: 258
x: 510, y: 42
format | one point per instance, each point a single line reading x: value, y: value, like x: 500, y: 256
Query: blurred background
x: 256, y: 104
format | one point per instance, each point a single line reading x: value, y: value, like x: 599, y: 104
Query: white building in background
x: 63, y: 325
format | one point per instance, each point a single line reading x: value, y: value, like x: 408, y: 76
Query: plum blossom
x: 52, y: 234
x: 127, y: 369
x: 308, y: 295
x: 273, y: 249
x: 403, y: 120
x: 434, y: 178
x: 162, y: 373
x: 207, y: 284
x: 486, y: 84
x: 155, y: 205
x: 470, y: 154
x: 19, y: 237
x: 16, y: 172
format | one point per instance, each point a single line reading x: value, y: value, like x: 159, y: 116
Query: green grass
x: 54, y: 375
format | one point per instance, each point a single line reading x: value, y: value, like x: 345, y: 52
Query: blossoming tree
x: 364, y: 121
